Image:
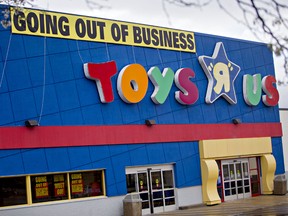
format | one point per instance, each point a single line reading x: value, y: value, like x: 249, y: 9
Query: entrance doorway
x: 155, y: 185
x: 239, y: 178
x: 236, y: 179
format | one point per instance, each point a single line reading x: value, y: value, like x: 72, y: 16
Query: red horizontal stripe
x: 60, y: 136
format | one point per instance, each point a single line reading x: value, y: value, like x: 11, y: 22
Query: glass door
x: 169, y: 190
x: 156, y: 191
x: 246, y: 179
x: 229, y: 181
x: 236, y: 179
x: 239, y: 180
x: 155, y: 187
x: 143, y: 189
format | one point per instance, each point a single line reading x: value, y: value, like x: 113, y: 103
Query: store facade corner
x: 283, y: 118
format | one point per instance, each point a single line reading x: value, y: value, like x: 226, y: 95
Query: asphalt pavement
x: 272, y: 205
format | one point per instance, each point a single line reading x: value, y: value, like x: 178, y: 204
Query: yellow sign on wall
x: 59, y: 25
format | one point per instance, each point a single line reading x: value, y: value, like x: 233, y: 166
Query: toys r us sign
x: 132, y: 82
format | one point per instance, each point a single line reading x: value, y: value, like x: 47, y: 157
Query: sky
x: 209, y: 19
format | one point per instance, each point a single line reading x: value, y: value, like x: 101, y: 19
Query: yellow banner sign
x: 59, y: 25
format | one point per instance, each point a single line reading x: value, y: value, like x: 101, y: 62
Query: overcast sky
x: 209, y: 19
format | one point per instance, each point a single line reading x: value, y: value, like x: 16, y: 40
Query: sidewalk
x: 260, y: 205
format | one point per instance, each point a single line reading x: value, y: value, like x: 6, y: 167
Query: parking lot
x: 261, y: 205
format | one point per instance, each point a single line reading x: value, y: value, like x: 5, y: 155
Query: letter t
x: 102, y: 74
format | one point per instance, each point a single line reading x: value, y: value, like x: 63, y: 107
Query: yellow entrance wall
x: 212, y: 150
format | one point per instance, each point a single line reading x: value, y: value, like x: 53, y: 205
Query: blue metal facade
x: 72, y: 99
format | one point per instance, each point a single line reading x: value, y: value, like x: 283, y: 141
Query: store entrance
x: 155, y: 185
x: 236, y: 179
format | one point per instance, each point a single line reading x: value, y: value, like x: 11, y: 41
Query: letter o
x: 132, y: 83
x: 32, y: 21
x: 115, y: 32
x: 80, y: 28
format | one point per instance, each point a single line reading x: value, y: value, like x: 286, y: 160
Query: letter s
x: 272, y: 97
x: 189, y: 93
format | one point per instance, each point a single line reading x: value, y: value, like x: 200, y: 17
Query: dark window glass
x: 158, y: 203
x: 226, y: 172
x: 227, y: 192
x: 49, y: 188
x: 169, y: 193
x: 142, y: 182
x: 240, y: 190
x: 246, y: 182
x: 86, y: 184
x: 168, y: 179
x: 156, y: 180
x: 145, y: 205
x: 13, y: 191
x: 157, y: 195
x: 227, y: 185
x: 144, y: 196
x: 170, y: 201
x: 131, y: 183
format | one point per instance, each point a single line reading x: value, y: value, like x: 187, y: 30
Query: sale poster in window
x: 41, y: 187
x: 59, y: 185
x: 77, y: 183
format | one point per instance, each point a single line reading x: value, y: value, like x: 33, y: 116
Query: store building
x: 284, y: 122
x: 93, y: 109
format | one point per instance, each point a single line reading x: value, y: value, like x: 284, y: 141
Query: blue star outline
x: 221, y: 74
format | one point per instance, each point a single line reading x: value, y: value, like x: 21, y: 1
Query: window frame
x: 14, y: 188
x: 29, y: 187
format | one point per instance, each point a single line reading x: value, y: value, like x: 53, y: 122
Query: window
x: 86, y: 184
x: 131, y: 183
x: 13, y: 191
x: 51, y: 187
x: 168, y: 187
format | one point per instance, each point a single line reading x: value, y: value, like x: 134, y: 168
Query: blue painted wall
x: 71, y: 99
